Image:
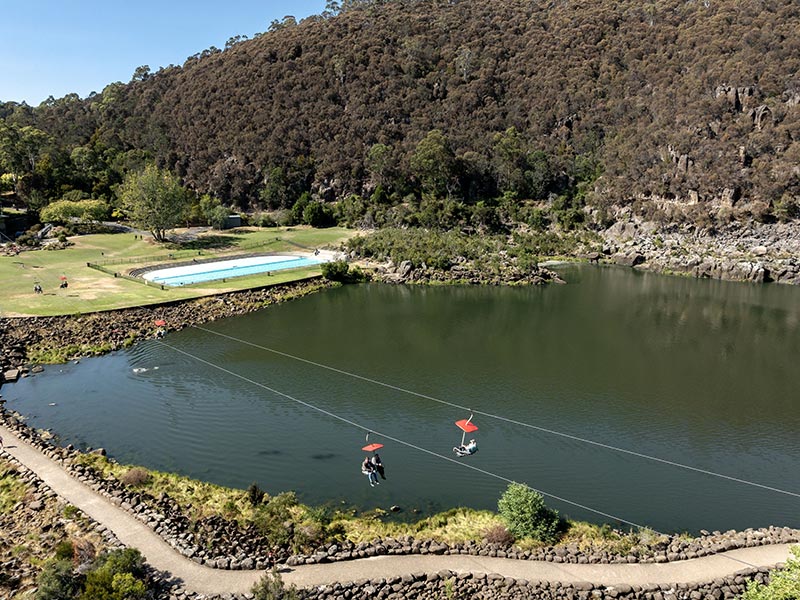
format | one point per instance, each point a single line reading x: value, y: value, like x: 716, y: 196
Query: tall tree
x: 155, y: 200
x: 20, y: 147
x: 433, y: 164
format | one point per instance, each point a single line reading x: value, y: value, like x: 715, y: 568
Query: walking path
x: 205, y: 580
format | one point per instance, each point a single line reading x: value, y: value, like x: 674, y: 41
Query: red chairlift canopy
x: 160, y: 322
x: 372, y: 447
x: 466, y: 426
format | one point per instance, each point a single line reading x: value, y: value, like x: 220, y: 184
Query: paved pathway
x: 205, y: 580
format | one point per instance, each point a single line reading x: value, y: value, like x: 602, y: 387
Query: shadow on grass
x: 206, y: 242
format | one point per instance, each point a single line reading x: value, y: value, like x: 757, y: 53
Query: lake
x: 699, y: 372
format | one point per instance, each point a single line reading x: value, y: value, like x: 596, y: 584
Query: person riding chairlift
x: 369, y: 470
x: 466, y: 449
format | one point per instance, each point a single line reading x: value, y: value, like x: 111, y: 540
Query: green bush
x: 783, y: 584
x: 255, y: 494
x: 264, y: 220
x: 117, y: 575
x: 318, y: 214
x: 337, y: 270
x: 526, y: 514
x: 271, y: 519
x: 57, y: 581
x: 65, y: 550
x: 299, y: 207
x: 271, y: 587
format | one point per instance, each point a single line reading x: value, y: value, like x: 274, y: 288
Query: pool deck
x: 231, y: 267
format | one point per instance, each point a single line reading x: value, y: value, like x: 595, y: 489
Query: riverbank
x: 226, y: 543
x: 755, y: 252
x: 723, y: 574
x: 29, y: 341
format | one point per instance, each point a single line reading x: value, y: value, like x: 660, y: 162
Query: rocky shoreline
x: 222, y: 544
x: 72, y: 337
x: 41, y: 513
x: 755, y: 252
x: 461, y: 273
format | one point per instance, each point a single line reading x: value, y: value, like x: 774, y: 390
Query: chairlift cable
x: 427, y: 451
x: 505, y: 419
x: 394, y: 439
x: 442, y: 456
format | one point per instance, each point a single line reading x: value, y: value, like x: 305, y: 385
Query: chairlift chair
x: 466, y: 426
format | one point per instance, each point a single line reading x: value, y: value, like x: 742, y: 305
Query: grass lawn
x: 91, y: 290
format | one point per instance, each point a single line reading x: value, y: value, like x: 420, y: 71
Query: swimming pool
x: 211, y: 271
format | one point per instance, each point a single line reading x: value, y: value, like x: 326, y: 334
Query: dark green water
x: 693, y: 371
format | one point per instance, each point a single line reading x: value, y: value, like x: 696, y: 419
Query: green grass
x: 12, y: 489
x: 200, y: 499
x: 454, y: 526
x: 91, y: 290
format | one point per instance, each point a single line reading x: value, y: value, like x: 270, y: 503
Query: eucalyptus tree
x: 155, y: 200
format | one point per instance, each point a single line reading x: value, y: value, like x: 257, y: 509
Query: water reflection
x: 700, y: 372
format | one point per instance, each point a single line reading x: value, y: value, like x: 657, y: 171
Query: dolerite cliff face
x: 757, y: 253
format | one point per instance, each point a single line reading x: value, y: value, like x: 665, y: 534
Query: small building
x: 233, y: 221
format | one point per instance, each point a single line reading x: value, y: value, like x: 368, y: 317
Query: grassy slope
x: 202, y: 499
x: 91, y: 290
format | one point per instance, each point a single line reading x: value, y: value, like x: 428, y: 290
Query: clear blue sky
x: 56, y: 47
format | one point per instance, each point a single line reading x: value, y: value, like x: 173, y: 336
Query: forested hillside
x: 458, y: 112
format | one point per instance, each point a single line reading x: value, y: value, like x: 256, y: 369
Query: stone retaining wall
x: 222, y: 544
x: 447, y: 584
x: 164, y: 517
x: 113, y: 330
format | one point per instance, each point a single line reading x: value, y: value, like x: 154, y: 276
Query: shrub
x: 57, y: 581
x: 28, y: 239
x: 264, y: 220
x: 255, y: 494
x: 498, y: 534
x: 337, y: 270
x: 135, y: 477
x: 271, y: 587
x: 117, y: 575
x: 526, y: 514
x: 318, y: 214
x: 271, y: 519
x: 64, y: 550
x: 783, y: 584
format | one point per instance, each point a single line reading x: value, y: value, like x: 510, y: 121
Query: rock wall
x: 447, y: 584
x: 756, y: 253
x: 97, y: 333
x: 33, y: 528
x: 223, y: 545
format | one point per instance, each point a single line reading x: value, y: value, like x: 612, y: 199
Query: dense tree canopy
x: 563, y: 103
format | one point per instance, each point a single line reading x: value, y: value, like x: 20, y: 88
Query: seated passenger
x: 465, y: 450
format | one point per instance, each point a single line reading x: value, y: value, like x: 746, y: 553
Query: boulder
x: 405, y: 268
x: 631, y: 259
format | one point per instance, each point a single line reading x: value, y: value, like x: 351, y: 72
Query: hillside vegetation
x: 464, y: 113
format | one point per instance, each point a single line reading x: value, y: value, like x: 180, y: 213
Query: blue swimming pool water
x: 224, y: 270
